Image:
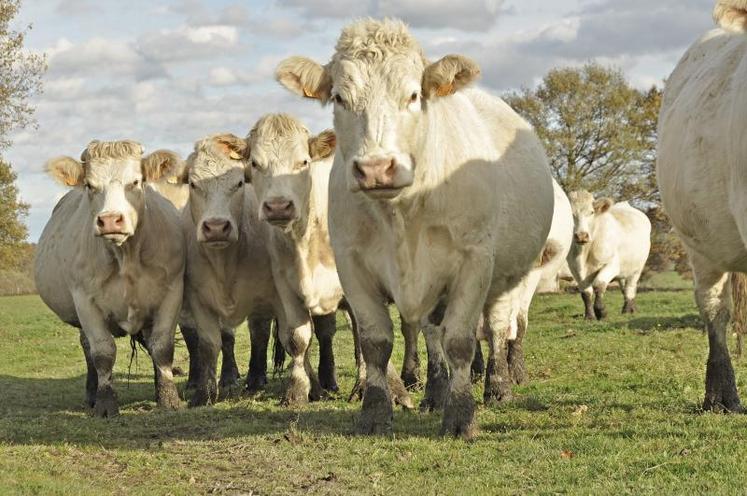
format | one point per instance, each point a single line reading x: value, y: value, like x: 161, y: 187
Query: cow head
x: 585, y: 210
x: 112, y: 174
x: 379, y: 83
x: 281, y: 155
x: 216, y: 175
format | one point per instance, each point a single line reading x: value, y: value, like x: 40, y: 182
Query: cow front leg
x: 601, y: 281
x: 91, y: 376
x: 587, y: 295
x: 259, y: 335
x: 160, y: 345
x: 296, y: 342
x: 208, y: 348
x: 325, y: 327
x: 437, y: 383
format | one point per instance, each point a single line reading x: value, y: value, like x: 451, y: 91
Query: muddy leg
x: 599, y: 310
x: 193, y: 342
x: 160, y: 345
x: 411, y: 365
x: 91, y: 376
x: 587, y: 296
x: 259, y: 335
x: 229, y: 371
x: 477, y: 370
x: 325, y: 327
x: 516, y: 366
x: 437, y: 384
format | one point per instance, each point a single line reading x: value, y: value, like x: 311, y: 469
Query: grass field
x: 611, y: 408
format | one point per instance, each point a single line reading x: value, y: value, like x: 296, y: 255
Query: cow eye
x: 134, y: 184
x: 414, y: 97
x: 306, y: 162
x: 88, y: 186
x: 240, y: 184
x: 192, y: 185
x: 255, y: 165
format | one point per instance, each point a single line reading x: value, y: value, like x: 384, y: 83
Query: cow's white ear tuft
x: 231, y: 145
x: 163, y: 165
x: 322, y: 145
x: 448, y: 75
x: 305, y: 78
x: 66, y: 171
x: 731, y: 15
x: 601, y: 205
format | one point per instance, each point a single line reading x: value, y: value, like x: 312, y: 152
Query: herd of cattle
x: 429, y: 195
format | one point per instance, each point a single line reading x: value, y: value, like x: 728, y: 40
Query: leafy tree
x: 20, y: 79
x: 599, y: 132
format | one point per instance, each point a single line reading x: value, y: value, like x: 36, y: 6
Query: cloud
x: 189, y: 42
x: 431, y: 14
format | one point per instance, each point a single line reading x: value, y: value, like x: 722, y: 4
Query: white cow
x: 111, y: 262
x: 174, y: 188
x: 610, y: 243
x: 437, y: 193
x: 228, y: 267
x: 290, y: 174
x: 702, y: 175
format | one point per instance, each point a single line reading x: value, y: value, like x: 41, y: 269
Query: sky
x: 166, y: 73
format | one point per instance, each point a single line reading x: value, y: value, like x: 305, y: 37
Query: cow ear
x: 163, y: 164
x: 66, y: 171
x: 305, y: 77
x: 322, y: 145
x: 602, y: 205
x: 449, y: 75
x: 231, y: 146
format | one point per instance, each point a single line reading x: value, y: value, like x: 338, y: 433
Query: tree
x: 20, y: 80
x: 599, y: 132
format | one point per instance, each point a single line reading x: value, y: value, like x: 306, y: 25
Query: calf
x: 228, y: 267
x: 610, y: 242
x: 290, y: 173
x: 111, y: 262
x: 438, y: 193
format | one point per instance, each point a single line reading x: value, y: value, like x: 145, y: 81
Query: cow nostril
x: 226, y: 228
x: 358, y: 170
x: 99, y: 221
x: 391, y: 168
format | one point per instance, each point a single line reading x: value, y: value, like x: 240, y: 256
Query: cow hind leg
x: 437, y: 384
x: 259, y: 335
x: 477, y: 370
x: 411, y: 364
x: 712, y: 293
x: 459, y: 410
x: 192, y: 340
x: 516, y: 365
x: 229, y: 371
x: 629, y: 289
x: 325, y: 327
x: 296, y: 342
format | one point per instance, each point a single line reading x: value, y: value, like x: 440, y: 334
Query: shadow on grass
x: 665, y: 323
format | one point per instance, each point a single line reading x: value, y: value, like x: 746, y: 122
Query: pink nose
x: 278, y: 209
x: 581, y: 237
x: 110, y: 223
x: 215, y: 229
x: 377, y: 173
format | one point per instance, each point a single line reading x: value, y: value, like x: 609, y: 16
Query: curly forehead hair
x: 373, y: 39
x: 272, y: 127
x: 112, y: 149
x: 580, y: 197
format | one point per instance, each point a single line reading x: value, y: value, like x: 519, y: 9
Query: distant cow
x: 611, y: 242
x: 228, y: 267
x: 438, y: 193
x: 290, y: 174
x: 111, y: 262
x: 702, y: 174
x: 173, y: 187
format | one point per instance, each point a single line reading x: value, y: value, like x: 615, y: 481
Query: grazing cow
x: 228, y: 267
x: 610, y: 243
x: 174, y: 189
x: 438, y: 193
x: 290, y: 174
x: 702, y: 175
x: 111, y: 262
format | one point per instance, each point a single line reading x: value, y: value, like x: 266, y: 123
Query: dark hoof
x: 497, y: 391
x: 177, y: 371
x: 459, y: 417
x: 202, y: 397
x: 411, y: 380
x: 330, y: 386
x: 432, y: 403
x: 296, y: 395
x: 377, y: 415
x: 106, y: 404
x: 255, y: 383
x: 517, y: 371
x: 721, y: 389
x: 600, y: 313
x: 227, y: 390
x: 168, y: 397
x: 590, y: 316
x: 629, y: 307
x: 90, y: 399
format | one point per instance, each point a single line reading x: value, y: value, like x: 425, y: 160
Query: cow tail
x: 739, y: 307
x: 278, y: 352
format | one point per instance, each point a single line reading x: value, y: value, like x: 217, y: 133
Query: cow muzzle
x: 279, y: 211
x: 378, y: 176
x: 112, y: 226
x: 581, y: 238
x: 216, y: 231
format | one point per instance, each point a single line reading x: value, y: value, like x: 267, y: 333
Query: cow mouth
x: 585, y: 242
x: 382, y: 193
x: 278, y: 221
x: 216, y: 244
x: 116, y: 237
